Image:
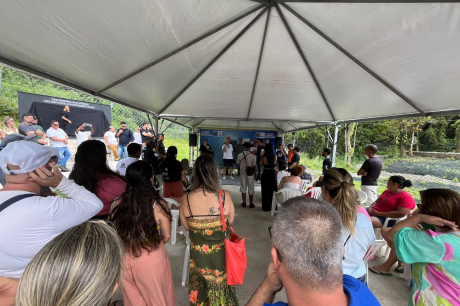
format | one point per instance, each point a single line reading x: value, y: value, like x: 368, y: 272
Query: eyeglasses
x: 277, y: 252
x: 55, y: 124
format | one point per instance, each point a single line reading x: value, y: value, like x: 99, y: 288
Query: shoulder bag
x: 236, y: 260
x: 250, y: 169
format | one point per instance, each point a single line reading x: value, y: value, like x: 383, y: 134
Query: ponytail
x: 401, y: 181
x: 339, y: 183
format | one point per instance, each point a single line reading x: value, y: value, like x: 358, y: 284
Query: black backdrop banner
x: 46, y: 112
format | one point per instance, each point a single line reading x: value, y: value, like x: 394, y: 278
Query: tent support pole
x: 365, y: 1
x: 48, y: 76
x: 334, y: 147
x: 156, y: 127
x: 296, y: 43
x: 385, y: 83
x: 213, y: 61
x: 276, y: 126
x: 260, y: 60
x: 199, y: 123
x: 169, y: 126
x: 178, y: 50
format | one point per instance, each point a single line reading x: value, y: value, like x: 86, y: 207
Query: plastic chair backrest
x: 170, y: 202
x: 290, y: 193
x: 304, y: 185
x: 315, y: 192
x: 362, y: 197
x: 373, y: 248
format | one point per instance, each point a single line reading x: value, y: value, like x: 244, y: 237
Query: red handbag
x: 235, y: 252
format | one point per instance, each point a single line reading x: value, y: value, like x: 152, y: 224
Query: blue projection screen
x: 216, y: 138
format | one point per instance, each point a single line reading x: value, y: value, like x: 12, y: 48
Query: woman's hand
x: 373, y: 212
x: 438, y: 221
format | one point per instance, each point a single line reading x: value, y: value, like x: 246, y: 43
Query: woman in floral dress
x: 200, y: 215
x: 430, y: 241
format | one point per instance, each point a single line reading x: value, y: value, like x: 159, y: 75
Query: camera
x: 88, y: 124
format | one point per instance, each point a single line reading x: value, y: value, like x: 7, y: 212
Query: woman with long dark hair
x: 200, y: 214
x: 171, y: 170
x: 268, y: 179
x: 92, y: 172
x: 143, y: 222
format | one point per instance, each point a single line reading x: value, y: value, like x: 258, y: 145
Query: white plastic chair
x: 362, y: 197
x: 378, y: 231
x: 287, y: 193
x: 304, y: 185
x: 160, y: 190
x: 186, y: 256
x: 373, y: 248
x: 315, y: 192
x: 175, y: 218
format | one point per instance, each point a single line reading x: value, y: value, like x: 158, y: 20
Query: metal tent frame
x: 265, y: 7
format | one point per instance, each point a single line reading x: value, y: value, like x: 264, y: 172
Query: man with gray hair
x: 307, y: 254
x: 370, y: 173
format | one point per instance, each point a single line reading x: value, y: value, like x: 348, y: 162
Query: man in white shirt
x: 134, y: 152
x: 83, y: 135
x: 112, y: 142
x: 137, y: 136
x: 28, y: 221
x: 227, y: 150
x: 59, y: 140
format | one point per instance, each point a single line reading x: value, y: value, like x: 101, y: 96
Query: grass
x: 181, y: 145
x: 317, y: 163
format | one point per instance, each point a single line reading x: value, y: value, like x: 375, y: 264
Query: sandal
x: 399, y: 269
x: 243, y: 205
x: 378, y: 272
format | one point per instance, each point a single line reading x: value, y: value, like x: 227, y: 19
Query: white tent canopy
x: 283, y: 65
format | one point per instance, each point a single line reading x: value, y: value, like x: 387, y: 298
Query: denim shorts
x: 390, y: 223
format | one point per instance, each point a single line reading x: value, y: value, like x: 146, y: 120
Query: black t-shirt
x: 66, y: 115
x: 145, y: 138
x: 327, y: 164
x: 171, y: 170
x: 149, y: 156
x: 280, y: 156
x: 373, y: 167
x: 295, y: 159
x: 161, y: 148
x: 204, y: 149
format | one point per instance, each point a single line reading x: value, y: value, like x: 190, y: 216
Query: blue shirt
x: 125, y: 138
x: 358, y: 293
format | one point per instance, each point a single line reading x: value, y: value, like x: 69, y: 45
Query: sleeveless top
x: 291, y: 185
x: 190, y: 210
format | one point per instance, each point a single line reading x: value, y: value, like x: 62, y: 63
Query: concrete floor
x: 253, y: 224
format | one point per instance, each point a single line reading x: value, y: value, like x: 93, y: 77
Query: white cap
x: 27, y: 155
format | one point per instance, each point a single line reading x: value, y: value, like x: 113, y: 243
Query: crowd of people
x: 102, y: 230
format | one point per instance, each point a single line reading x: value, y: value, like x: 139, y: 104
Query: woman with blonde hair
x: 80, y: 267
x: 358, y: 232
x: 7, y: 127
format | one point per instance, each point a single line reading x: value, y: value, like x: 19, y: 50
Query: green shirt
x: 435, y: 257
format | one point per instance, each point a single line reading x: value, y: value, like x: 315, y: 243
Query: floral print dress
x: 435, y: 258
x: 208, y: 276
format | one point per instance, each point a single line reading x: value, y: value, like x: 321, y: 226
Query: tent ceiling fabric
x: 197, y: 61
